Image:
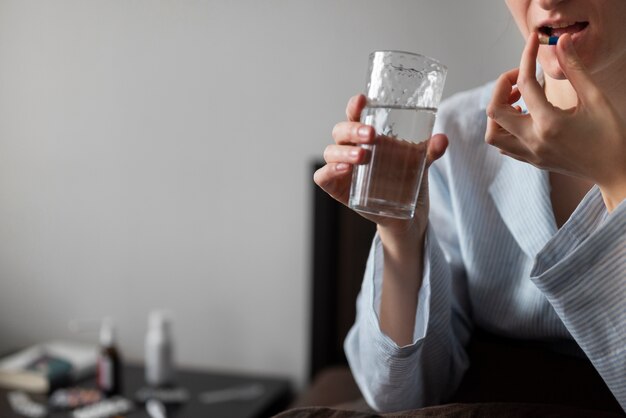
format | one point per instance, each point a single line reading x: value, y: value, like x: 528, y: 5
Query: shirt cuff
x: 562, y: 264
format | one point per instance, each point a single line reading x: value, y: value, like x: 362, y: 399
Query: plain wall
x: 156, y: 154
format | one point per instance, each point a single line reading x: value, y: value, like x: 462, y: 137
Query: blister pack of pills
x: 72, y: 398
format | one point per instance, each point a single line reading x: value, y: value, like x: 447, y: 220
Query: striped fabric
x: 494, y: 258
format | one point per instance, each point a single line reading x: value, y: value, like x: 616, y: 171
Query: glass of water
x: 403, y: 93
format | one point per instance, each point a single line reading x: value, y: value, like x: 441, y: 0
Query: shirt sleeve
x: 426, y: 372
x: 582, y: 272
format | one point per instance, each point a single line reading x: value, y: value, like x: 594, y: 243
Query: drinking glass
x: 403, y: 93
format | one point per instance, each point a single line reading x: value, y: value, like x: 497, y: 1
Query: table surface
x: 274, y: 396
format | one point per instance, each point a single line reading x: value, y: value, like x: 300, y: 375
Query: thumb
x: 437, y: 146
x: 574, y: 69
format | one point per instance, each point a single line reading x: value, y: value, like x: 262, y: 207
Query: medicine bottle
x: 159, y: 351
x: 109, y: 367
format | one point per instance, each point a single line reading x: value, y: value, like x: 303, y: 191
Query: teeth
x: 561, y: 25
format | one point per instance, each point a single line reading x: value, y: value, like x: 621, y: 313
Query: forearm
x: 394, y: 377
x: 402, y: 279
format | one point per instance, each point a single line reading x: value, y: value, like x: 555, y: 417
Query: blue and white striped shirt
x: 495, y: 258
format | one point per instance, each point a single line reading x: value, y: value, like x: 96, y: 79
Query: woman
x: 524, y: 235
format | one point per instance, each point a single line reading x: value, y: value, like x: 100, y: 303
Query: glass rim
x: 415, y: 54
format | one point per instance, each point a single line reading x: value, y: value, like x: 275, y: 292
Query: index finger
x: 355, y: 106
x: 527, y: 83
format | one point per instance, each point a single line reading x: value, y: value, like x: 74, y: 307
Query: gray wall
x: 156, y: 154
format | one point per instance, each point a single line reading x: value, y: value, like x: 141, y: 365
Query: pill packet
x: 72, y: 398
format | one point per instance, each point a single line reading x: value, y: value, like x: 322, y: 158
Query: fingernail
x: 364, y: 132
x: 342, y: 167
x: 355, y: 153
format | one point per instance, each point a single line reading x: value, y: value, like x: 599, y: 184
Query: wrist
x: 613, y: 193
x: 403, y: 243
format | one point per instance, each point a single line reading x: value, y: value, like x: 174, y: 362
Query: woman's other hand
x: 587, y: 141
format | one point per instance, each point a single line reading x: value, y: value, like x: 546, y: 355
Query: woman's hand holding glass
x: 586, y: 141
x: 336, y: 176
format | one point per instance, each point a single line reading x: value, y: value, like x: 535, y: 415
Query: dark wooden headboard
x: 341, y: 243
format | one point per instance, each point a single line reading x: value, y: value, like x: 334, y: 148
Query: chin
x: 551, y: 67
x: 554, y: 72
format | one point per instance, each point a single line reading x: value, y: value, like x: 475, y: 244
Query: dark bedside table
x: 274, y: 396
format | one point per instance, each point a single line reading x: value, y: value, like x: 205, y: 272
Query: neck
x: 560, y: 93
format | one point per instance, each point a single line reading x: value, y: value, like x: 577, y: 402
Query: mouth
x: 561, y: 28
